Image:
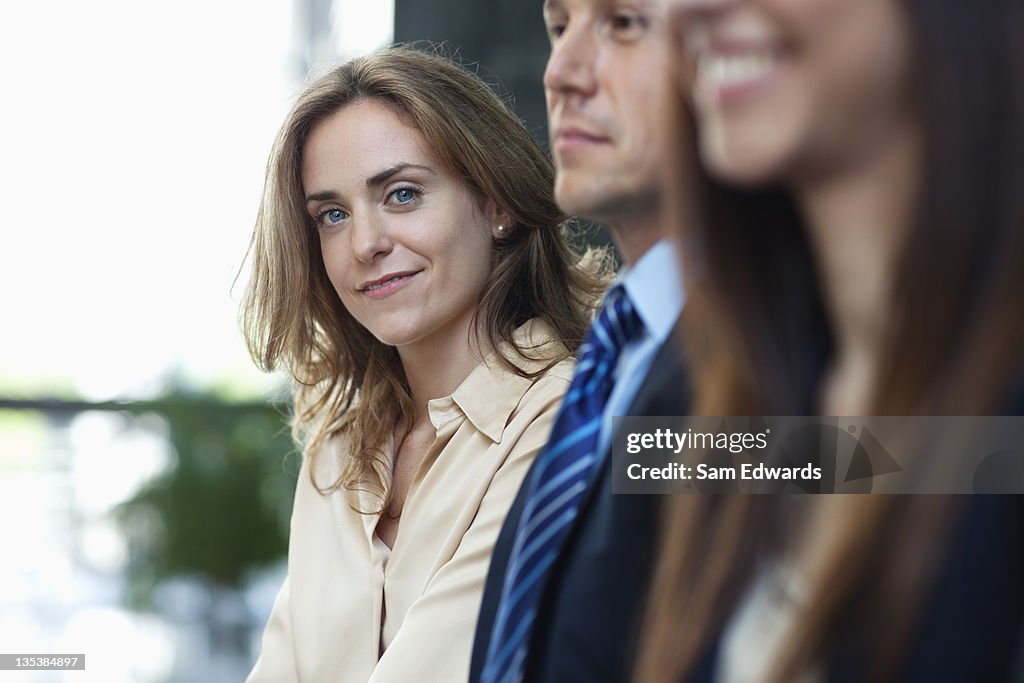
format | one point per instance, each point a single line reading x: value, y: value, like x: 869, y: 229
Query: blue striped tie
x: 557, y: 485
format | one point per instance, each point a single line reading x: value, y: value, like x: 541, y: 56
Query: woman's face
x: 405, y: 243
x: 795, y: 89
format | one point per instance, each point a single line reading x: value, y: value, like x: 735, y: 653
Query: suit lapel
x: 664, y: 391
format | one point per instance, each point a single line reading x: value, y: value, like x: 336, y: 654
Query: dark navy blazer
x: 592, y: 605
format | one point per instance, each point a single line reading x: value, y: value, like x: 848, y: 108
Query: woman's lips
x: 387, y: 285
x: 733, y: 77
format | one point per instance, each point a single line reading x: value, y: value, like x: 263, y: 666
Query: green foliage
x: 222, y: 507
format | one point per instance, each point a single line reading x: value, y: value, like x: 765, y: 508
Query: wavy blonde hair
x: 346, y: 382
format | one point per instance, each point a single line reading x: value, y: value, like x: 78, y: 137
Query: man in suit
x: 568, y: 581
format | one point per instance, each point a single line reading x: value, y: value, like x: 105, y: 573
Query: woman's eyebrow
x: 382, y: 177
x: 373, y: 181
x: 326, y: 195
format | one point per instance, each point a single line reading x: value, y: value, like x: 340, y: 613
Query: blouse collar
x: 491, y: 392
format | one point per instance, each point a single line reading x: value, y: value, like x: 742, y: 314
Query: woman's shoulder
x: 539, y: 352
x: 559, y: 374
x: 327, y: 460
x: 540, y: 373
x: 537, y: 338
x: 552, y: 379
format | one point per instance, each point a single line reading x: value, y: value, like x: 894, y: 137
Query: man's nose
x: 571, y: 63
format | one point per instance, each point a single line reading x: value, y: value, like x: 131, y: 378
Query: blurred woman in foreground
x: 860, y: 252
x: 411, y: 274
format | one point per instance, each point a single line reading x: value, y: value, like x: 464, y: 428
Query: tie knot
x: 616, y: 323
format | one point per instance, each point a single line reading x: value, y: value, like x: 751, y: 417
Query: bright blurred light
x: 111, y: 460
x: 360, y: 27
x: 120, y: 646
x: 103, y: 546
x: 135, y: 137
x: 36, y: 561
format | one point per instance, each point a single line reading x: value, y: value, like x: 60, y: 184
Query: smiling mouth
x: 387, y: 285
x: 370, y: 288
x: 735, y: 76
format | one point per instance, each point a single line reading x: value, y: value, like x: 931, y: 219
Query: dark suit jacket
x: 593, y: 601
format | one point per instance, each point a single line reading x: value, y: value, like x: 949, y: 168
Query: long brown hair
x: 345, y: 380
x: 757, y: 339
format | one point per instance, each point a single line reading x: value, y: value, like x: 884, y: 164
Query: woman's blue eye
x: 330, y: 217
x: 404, y: 195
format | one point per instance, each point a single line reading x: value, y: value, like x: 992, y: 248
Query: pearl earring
x: 501, y: 229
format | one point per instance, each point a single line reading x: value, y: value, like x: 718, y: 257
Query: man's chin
x: 587, y: 196
x: 577, y: 193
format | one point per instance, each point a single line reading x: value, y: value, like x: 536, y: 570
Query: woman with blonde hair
x: 410, y: 272
x: 860, y: 251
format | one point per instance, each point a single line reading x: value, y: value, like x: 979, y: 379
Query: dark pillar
x: 506, y: 38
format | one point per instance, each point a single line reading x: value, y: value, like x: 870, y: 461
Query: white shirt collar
x: 655, y: 286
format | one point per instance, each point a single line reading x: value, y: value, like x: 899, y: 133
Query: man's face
x: 608, y: 95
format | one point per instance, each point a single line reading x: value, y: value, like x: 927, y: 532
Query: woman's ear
x: 500, y: 221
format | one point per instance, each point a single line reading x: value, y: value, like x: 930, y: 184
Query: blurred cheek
x: 679, y: 174
x: 682, y: 66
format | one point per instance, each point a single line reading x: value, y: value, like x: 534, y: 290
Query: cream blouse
x: 352, y: 610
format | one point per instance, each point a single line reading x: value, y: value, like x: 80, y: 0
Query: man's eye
x: 555, y: 31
